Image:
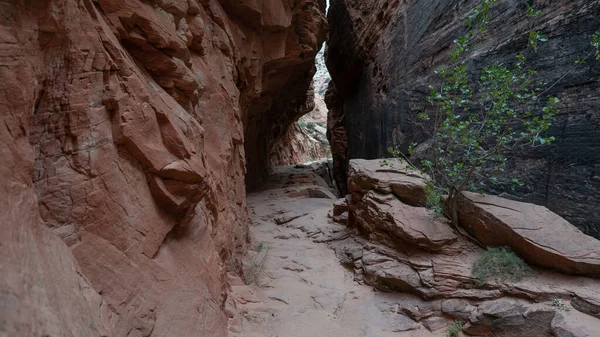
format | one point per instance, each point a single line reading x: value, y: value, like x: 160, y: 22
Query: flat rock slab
x: 535, y: 233
x: 387, y: 176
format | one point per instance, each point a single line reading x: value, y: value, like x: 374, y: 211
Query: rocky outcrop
x: 396, y: 247
x: 127, y: 129
x: 377, y: 212
x: 382, y: 55
x: 536, y: 234
x: 387, y: 176
x: 387, y: 202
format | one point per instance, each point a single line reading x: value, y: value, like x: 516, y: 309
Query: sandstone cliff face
x: 277, y: 93
x: 382, y: 55
x: 305, y: 139
x: 123, y: 133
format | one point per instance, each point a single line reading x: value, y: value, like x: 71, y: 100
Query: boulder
x: 378, y: 212
x: 387, y: 176
x: 457, y: 308
x: 535, y: 233
x: 567, y: 324
x: 509, y: 318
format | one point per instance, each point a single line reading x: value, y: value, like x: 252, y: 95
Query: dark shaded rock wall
x: 382, y: 54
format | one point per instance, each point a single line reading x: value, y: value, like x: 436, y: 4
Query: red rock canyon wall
x: 127, y: 127
x: 306, y: 139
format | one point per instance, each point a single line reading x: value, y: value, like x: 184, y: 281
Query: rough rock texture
x: 382, y: 195
x: 588, y: 304
x: 279, y: 86
x: 510, y: 317
x: 392, y: 261
x: 123, y: 128
x: 382, y: 55
x: 43, y: 292
x: 336, y: 135
x: 305, y: 139
x: 536, y: 234
x: 380, y: 212
x: 387, y: 176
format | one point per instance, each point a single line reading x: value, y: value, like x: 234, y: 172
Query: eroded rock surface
x: 383, y: 193
x: 127, y: 127
x: 380, y: 250
x: 534, y: 232
x: 382, y: 55
x: 305, y: 140
x: 303, y: 290
x: 387, y: 176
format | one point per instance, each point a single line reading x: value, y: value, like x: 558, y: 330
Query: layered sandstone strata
x: 392, y: 244
x: 306, y: 139
x: 127, y: 127
x: 382, y: 55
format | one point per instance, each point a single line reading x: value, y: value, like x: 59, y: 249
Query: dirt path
x: 303, y: 290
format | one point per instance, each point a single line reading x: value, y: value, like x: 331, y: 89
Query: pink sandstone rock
x: 533, y: 232
x: 126, y: 130
x: 387, y: 176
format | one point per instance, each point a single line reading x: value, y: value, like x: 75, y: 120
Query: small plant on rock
x: 254, y: 269
x: 560, y: 305
x: 500, y: 264
x: 455, y: 328
x: 259, y: 246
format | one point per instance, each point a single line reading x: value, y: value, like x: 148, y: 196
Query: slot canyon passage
x: 164, y: 172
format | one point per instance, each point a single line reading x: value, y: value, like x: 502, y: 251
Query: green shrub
x: 559, y: 305
x: 455, y: 328
x: 500, y: 264
x: 480, y: 115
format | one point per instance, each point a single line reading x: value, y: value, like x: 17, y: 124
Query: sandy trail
x: 303, y: 290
